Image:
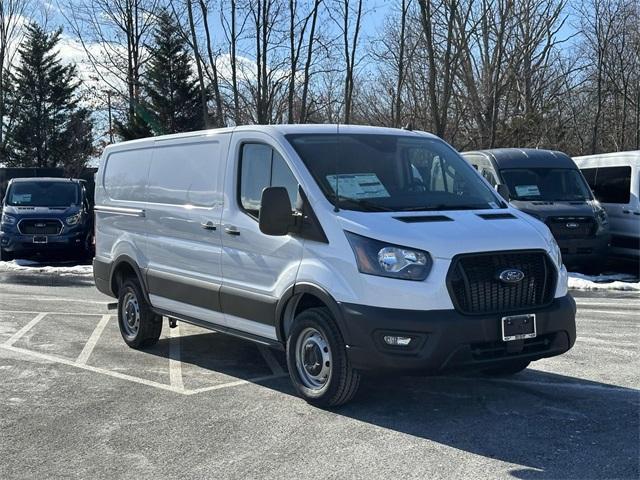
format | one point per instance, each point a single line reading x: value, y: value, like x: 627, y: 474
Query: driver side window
x: 261, y: 167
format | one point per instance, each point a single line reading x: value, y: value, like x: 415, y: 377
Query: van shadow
x: 546, y: 425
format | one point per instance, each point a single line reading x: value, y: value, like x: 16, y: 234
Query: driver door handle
x: 231, y: 230
x: 208, y: 225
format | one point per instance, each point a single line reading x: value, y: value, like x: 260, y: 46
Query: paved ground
x: 75, y: 402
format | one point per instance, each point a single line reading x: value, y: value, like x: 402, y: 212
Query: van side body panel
x: 624, y: 216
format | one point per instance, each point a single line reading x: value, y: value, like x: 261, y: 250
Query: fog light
x: 397, y: 341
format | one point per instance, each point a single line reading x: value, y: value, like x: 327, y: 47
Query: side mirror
x: 503, y: 191
x: 275, y: 216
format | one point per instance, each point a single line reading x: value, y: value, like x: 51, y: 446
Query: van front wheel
x: 317, y: 359
x: 139, y: 326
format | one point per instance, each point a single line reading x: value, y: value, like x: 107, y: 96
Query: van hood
x: 41, y: 212
x: 449, y: 233
x: 545, y: 209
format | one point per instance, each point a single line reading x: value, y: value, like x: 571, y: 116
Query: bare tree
x: 198, y: 59
x: 113, y: 34
x: 349, y: 21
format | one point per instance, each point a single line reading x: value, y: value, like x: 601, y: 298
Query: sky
x: 53, y: 13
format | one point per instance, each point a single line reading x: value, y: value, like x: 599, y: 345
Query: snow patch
x: 27, y: 266
x: 618, y: 281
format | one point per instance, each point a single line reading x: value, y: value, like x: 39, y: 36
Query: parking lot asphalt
x: 76, y: 402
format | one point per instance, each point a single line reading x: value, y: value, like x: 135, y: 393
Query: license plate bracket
x: 518, y: 327
x: 40, y: 239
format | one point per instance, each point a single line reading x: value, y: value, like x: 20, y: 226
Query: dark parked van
x: 549, y: 186
x: 45, y: 218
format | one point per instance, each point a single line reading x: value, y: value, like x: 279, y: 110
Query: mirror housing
x: 503, y: 191
x: 275, y: 217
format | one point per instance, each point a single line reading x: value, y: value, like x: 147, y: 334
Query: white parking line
x: 16, y: 336
x: 131, y: 378
x: 234, y: 384
x: 175, y: 366
x: 93, y: 340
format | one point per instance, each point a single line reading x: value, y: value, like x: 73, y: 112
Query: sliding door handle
x: 231, y: 230
x: 208, y: 225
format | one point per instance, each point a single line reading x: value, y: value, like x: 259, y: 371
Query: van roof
x: 609, y: 159
x: 527, y: 158
x: 278, y: 130
x: 45, y: 179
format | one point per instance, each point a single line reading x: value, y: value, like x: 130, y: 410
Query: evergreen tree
x: 48, y: 128
x: 171, y: 88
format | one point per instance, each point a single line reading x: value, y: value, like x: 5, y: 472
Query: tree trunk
x: 196, y: 52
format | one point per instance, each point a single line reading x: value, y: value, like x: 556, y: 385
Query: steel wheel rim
x: 313, y: 359
x: 130, y: 314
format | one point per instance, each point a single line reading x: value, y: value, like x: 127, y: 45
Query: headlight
x: 7, y: 219
x: 555, y: 253
x: 379, y: 258
x: 74, y: 219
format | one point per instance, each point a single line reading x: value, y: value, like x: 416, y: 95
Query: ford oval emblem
x: 511, y: 275
x: 572, y: 225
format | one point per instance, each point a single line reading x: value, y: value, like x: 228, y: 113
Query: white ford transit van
x: 615, y: 181
x: 353, y: 248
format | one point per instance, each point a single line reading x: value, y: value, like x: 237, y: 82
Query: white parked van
x: 354, y: 248
x: 614, y: 179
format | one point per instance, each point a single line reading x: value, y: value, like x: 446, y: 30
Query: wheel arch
x: 123, y: 267
x: 298, y: 298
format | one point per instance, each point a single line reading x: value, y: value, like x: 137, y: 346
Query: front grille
x: 40, y: 227
x: 572, y: 227
x: 475, y: 287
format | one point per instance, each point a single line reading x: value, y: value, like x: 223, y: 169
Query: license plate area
x: 518, y: 327
x: 40, y: 239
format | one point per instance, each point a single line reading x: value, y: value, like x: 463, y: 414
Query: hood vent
x: 424, y: 219
x: 495, y: 216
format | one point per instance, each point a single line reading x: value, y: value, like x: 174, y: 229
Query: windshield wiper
x: 367, y: 205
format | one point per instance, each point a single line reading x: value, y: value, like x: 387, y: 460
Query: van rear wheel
x: 317, y: 359
x: 139, y: 326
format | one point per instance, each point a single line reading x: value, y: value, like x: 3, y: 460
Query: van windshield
x: 369, y: 172
x: 43, y: 194
x: 550, y: 184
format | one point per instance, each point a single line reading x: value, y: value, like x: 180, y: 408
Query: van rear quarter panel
x: 122, y: 182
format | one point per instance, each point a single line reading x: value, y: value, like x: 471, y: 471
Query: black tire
x: 508, y: 368
x: 5, y: 256
x: 134, y: 309
x: 342, y: 381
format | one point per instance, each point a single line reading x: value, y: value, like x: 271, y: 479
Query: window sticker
x: 21, y: 198
x: 527, y: 191
x: 358, y: 185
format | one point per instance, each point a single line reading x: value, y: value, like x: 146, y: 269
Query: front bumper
x: 445, y: 340
x: 23, y: 245
x: 584, y: 251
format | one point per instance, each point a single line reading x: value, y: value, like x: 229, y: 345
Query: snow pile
x: 26, y: 266
x: 618, y: 281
